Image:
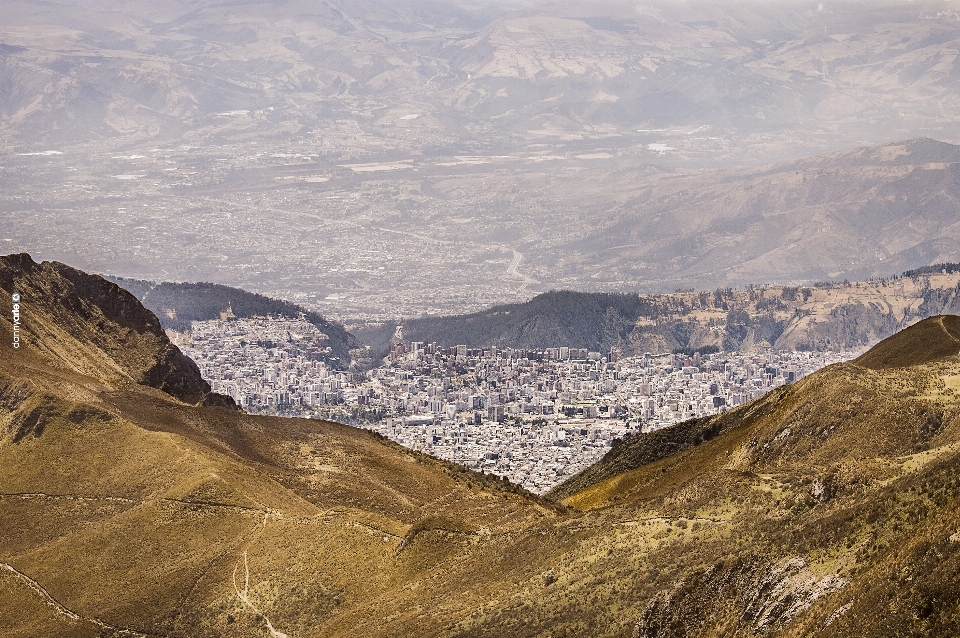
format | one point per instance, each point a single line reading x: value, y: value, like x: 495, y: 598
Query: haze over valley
x: 384, y: 160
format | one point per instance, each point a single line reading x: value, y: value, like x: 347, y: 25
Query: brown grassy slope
x: 646, y: 448
x: 827, y: 403
x: 929, y: 340
x: 840, y: 502
x: 132, y: 509
x: 829, y: 508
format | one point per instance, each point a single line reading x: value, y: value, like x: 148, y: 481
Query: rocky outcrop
x: 745, y: 598
x: 90, y: 325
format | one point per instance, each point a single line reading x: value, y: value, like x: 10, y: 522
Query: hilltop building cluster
x: 534, y: 416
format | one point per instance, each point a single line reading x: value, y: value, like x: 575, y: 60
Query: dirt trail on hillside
x: 952, y: 334
x: 244, y: 594
x: 61, y: 609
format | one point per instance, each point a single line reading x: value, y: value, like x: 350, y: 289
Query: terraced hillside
x: 827, y: 508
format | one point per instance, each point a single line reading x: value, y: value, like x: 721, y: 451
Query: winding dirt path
x: 244, y: 594
x: 25, y: 496
x: 57, y: 606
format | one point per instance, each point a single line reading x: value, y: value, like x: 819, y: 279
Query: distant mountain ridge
x: 918, y: 152
x: 854, y: 214
x: 557, y: 318
x: 572, y: 69
x: 178, y: 304
x: 827, y: 316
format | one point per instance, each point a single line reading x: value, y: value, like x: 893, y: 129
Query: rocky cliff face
x: 112, y: 336
x: 765, y: 596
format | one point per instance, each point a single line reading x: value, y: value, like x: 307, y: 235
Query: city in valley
x: 535, y: 417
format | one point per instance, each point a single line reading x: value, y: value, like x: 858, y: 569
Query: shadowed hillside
x: 930, y: 340
x: 92, y: 326
x: 829, y: 507
x: 178, y: 304
x: 582, y: 320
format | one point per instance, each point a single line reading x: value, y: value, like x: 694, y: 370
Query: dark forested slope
x: 177, y: 304
x: 596, y: 321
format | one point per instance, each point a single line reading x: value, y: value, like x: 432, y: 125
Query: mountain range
x: 824, y: 316
x: 864, y: 212
x: 312, y: 150
x: 828, y: 506
x: 765, y: 76
x: 772, y: 163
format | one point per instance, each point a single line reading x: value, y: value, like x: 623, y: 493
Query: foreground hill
x: 829, y: 507
x: 839, y: 494
x: 931, y: 341
x: 124, y: 507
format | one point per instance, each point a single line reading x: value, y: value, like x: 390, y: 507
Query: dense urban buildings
x: 535, y: 417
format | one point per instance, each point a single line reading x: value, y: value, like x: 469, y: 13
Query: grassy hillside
x: 823, y: 402
x: 130, y: 509
x: 828, y: 508
x: 928, y: 341
x: 839, y: 495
